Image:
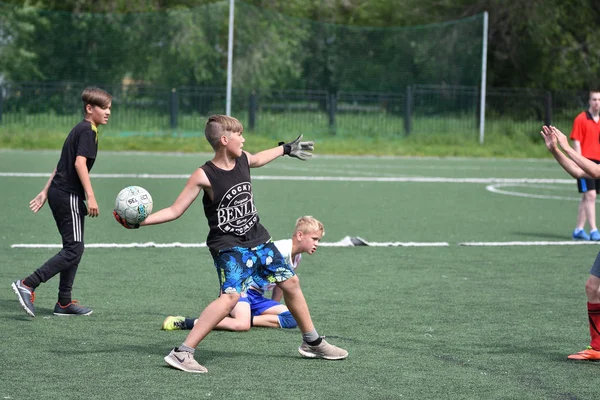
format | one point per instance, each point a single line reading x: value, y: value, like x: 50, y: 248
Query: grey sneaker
x: 322, y: 350
x: 25, y: 295
x: 73, y: 308
x: 184, y: 361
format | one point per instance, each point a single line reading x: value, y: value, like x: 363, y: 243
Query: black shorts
x: 585, y: 185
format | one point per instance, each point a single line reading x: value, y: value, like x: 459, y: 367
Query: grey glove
x: 298, y: 149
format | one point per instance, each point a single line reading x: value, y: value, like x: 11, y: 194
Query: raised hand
x: 298, y: 149
x: 549, y: 138
x: 562, y: 139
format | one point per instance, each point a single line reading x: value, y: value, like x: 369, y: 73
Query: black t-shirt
x: 82, y: 141
x: 232, y: 217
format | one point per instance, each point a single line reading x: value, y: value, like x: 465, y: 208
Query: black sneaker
x: 73, y: 308
x: 25, y: 295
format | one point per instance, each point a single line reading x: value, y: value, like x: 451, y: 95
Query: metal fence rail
x: 420, y: 109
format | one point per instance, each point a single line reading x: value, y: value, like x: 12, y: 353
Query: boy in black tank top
x: 239, y: 244
x: 69, y: 185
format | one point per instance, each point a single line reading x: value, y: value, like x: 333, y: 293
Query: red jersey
x: 587, y: 132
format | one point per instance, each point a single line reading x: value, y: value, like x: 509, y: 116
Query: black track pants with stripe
x: 69, y: 212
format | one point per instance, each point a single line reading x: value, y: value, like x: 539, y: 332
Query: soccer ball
x: 133, y: 204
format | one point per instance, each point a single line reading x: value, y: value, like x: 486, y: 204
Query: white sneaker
x: 184, y: 361
x: 322, y: 350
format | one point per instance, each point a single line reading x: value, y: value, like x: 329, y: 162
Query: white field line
x: 199, y: 245
x: 330, y: 244
x: 534, y: 243
x: 314, y: 178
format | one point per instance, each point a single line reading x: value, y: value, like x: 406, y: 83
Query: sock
x: 64, y: 301
x: 183, y: 347
x: 189, y: 323
x: 312, y: 338
x: 594, y: 317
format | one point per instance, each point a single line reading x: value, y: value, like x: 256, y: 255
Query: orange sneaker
x: 588, y: 354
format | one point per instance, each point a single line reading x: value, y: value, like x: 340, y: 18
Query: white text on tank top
x: 236, y: 212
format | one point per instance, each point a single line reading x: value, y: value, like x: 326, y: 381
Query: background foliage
x: 545, y: 44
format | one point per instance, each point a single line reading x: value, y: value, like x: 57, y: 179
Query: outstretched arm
x: 196, y: 182
x: 39, y: 200
x: 264, y: 157
x: 551, y: 141
x: 590, y: 168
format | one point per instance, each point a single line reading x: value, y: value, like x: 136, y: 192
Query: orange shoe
x: 588, y: 354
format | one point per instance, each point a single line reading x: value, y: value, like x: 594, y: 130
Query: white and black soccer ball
x: 133, y: 204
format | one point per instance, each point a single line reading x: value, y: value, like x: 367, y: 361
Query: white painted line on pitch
x: 316, y: 178
x: 330, y: 244
x: 197, y: 245
x: 388, y: 244
x: 540, y: 243
x: 109, y: 245
x: 494, y: 189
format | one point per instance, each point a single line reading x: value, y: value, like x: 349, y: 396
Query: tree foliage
x: 547, y: 44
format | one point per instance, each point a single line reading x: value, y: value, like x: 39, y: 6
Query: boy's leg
x: 210, y: 317
x: 232, y: 273
x: 275, y: 317
x: 268, y: 313
x: 592, y: 285
x: 182, y: 357
x: 277, y: 270
x: 313, y: 345
x: 68, y: 211
x: 238, y: 319
x: 295, y: 301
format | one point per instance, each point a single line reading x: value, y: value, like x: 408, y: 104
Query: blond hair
x: 309, y: 224
x: 95, y: 97
x: 219, y: 125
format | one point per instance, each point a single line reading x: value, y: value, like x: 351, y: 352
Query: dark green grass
x: 450, y: 322
x: 357, y: 134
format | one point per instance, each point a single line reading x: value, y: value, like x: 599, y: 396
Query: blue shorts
x: 264, y: 263
x: 258, y: 303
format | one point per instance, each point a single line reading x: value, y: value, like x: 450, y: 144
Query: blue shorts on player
x: 259, y: 304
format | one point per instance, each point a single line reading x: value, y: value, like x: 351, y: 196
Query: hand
x: 92, y: 207
x: 123, y: 222
x: 549, y: 138
x: 298, y: 149
x: 38, y: 202
x: 562, y: 139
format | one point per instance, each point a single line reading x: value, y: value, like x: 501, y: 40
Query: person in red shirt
x: 586, y: 141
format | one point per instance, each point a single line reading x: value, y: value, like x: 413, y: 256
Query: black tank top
x: 231, y: 214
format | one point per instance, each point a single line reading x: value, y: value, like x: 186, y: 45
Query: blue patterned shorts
x: 263, y: 263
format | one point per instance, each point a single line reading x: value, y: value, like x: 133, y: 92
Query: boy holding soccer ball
x: 253, y: 308
x: 69, y: 185
x: 240, y: 246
